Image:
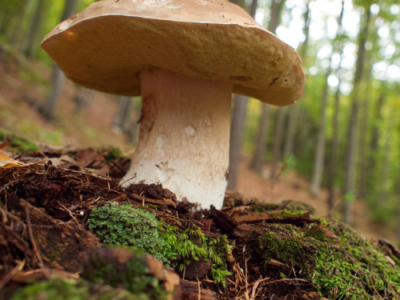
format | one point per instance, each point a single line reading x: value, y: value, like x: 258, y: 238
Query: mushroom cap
x: 107, y: 45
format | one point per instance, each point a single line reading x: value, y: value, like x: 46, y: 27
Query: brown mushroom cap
x: 107, y: 45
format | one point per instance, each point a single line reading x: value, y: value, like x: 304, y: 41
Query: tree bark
x: 386, y: 162
x: 124, y: 109
x: 258, y: 158
x: 237, y: 127
x: 349, y: 188
x: 58, y: 75
x: 239, y: 112
x: 260, y: 144
x: 34, y: 29
x: 364, y: 151
x: 277, y: 142
x: 320, y: 153
x: 294, y: 109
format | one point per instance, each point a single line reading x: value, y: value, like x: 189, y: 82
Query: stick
x: 10, y: 275
x: 199, y: 288
x: 28, y: 221
x: 70, y: 213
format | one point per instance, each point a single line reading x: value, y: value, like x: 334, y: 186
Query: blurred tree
x: 58, y: 77
x: 37, y: 19
x: 260, y: 145
x: 239, y: 112
x: 294, y: 109
x: 318, y: 171
x: 349, y: 188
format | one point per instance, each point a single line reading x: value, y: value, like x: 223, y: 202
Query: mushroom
x: 185, y: 58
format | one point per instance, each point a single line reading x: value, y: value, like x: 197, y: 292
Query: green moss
x: 117, y: 224
x: 58, y: 289
x: 132, y: 276
x: 184, y: 246
x: 113, y: 154
x: 289, y: 246
x: 349, y: 267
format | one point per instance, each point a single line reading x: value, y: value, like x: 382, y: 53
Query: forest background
x: 343, y: 135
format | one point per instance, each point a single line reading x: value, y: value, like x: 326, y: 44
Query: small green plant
x: 113, y: 154
x: 124, y: 225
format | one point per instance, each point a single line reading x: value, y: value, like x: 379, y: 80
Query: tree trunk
x: 124, y: 109
x: 294, y: 109
x: 352, y: 127
x: 331, y: 172
x: 239, y: 112
x: 58, y: 75
x: 277, y: 142
x: 237, y: 127
x: 258, y: 158
x: 320, y: 153
x: 34, y: 29
x: 364, y: 151
x: 83, y: 97
x: 386, y: 162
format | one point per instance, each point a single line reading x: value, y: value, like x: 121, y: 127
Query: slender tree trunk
x: 331, y: 172
x: 332, y: 158
x: 34, y: 29
x: 278, y: 142
x: 17, y: 30
x: 352, y: 128
x: 239, y: 112
x: 294, y: 109
x: 124, y: 109
x: 258, y: 158
x: 386, y: 162
x: 237, y: 126
x: 58, y: 75
x: 398, y: 208
x: 320, y: 151
x: 364, y: 151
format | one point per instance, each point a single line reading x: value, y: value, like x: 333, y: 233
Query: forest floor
x: 23, y: 88
x: 260, y: 249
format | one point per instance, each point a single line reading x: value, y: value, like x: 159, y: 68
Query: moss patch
x: 58, y: 289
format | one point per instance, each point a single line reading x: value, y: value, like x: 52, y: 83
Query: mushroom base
x: 184, y: 136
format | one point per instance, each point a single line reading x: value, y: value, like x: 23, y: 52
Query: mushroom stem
x: 184, y: 136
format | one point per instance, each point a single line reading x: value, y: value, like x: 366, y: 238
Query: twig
x: 70, y: 213
x: 184, y: 271
x: 11, y: 274
x: 28, y: 221
x: 251, y: 284
x: 199, y: 288
x: 253, y: 293
x: 374, y: 287
x: 121, y: 183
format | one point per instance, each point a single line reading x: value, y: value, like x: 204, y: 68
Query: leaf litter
x: 248, y: 250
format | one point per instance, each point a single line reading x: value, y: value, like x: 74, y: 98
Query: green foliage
x: 58, y: 289
x: 124, y: 225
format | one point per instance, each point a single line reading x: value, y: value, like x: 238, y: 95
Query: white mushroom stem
x: 184, y: 136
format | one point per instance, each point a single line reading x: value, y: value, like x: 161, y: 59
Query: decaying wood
x: 190, y: 291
